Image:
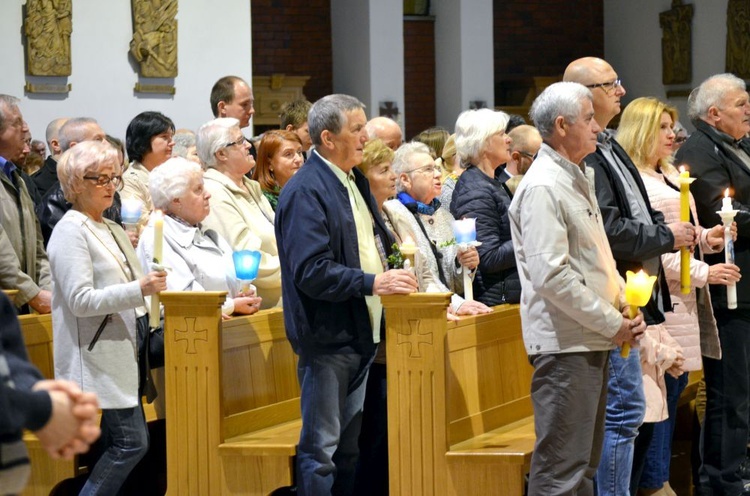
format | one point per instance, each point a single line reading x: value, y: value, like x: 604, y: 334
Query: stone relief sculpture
x: 154, y: 43
x: 47, y: 25
x: 738, y: 38
x: 676, y: 42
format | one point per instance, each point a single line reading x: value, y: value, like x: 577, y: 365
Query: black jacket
x: 46, y: 177
x: 485, y: 199
x: 631, y: 241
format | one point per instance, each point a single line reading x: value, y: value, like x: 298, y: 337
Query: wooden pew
x: 460, y: 419
x: 232, y: 399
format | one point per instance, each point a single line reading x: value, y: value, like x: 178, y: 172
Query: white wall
x: 214, y: 40
x: 632, y: 44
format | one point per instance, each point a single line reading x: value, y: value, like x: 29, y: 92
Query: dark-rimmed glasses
x: 102, y: 181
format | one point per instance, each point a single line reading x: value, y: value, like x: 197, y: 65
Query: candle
x: 726, y: 203
x: 131, y: 212
x: 638, y: 290
x: 155, y: 314
x: 727, y: 214
x: 246, y: 264
x: 408, y: 249
x: 685, y: 181
x: 465, y: 231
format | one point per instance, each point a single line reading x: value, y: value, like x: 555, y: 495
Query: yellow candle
x: 685, y: 181
x: 408, y: 249
x: 638, y: 289
x: 154, y: 315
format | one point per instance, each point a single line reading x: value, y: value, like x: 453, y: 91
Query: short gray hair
x: 559, y: 99
x: 85, y: 158
x: 402, y: 159
x: 213, y: 136
x: 329, y: 114
x: 711, y: 92
x: 74, y: 130
x: 170, y: 180
x: 7, y: 102
x: 183, y: 140
x: 53, y: 130
x: 473, y: 129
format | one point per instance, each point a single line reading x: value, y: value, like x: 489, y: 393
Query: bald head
x: 80, y: 129
x: 526, y: 142
x: 603, y: 81
x: 52, y: 136
x: 385, y: 129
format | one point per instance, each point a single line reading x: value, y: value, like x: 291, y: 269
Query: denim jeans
x: 125, y: 437
x: 626, y: 408
x: 332, y: 397
x: 656, y: 469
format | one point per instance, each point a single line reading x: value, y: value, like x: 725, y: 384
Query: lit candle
x: 465, y: 230
x: 727, y: 214
x: 638, y: 290
x: 726, y: 202
x: 408, y: 249
x: 131, y: 212
x: 155, y: 314
x: 246, y: 264
x: 685, y: 181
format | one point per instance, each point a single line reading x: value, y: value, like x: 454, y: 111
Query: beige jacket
x: 135, y: 185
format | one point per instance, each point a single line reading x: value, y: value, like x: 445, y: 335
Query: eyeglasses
x: 607, y: 87
x: 241, y: 141
x: 430, y: 169
x: 680, y: 139
x: 103, y: 181
x: 526, y: 154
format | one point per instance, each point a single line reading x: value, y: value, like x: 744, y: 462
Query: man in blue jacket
x: 332, y: 247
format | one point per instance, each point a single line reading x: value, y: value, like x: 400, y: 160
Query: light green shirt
x: 369, y: 259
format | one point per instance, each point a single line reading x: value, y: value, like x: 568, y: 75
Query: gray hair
x: 212, y: 137
x: 170, y: 181
x: 7, y: 102
x: 402, y: 159
x: 183, y: 139
x: 558, y: 99
x: 86, y: 158
x: 473, y: 129
x: 329, y: 114
x: 710, y: 93
x: 74, y: 130
x: 53, y: 130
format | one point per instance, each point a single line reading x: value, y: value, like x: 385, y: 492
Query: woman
x: 198, y: 258
x: 184, y: 145
x: 451, y: 169
x: 417, y: 214
x: 646, y: 134
x: 149, y: 140
x: 239, y: 211
x: 279, y: 158
x: 482, y: 145
x: 97, y: 308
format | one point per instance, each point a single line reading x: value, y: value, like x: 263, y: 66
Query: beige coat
x: 135, y: 186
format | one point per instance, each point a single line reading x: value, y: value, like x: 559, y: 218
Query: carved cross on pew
x: 415, y: 338
x: 190, y: 335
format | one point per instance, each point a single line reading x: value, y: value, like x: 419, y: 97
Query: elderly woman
x: 239, y: 211
x: 482, y: 146
x: 184, y: 145
x: 199, y: 259
x: 646, y: 133
x: 98, y: 308
x: 279, y: 158
x: 149, y: 142
x: 417, y: 214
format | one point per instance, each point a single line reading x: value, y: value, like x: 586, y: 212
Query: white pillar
x: 368, y: 52
x: 464, y: 58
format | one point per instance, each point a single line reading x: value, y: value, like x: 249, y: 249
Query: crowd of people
x: 563, y: 208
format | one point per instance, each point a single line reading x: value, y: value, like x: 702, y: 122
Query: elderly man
x: 47, y: 175
x: 720, y: 111
x: 231, y: 96
x: 572, y: 304
x: 23, y: 261
x: 638, y: 237
x: 385, y: 129
x: 525, y: 143
x: 332, y: 272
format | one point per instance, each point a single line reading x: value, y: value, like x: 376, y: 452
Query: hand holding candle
x: 155, y: 313
x: 685, y: 181
x: 727, y: 214
x: 638, y: 290
x: 465, y: 232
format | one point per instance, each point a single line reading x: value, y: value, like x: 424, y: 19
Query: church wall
x: 214, y: 40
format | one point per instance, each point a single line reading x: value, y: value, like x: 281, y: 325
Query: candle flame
x: 726, y: 193
x: 682, y: 168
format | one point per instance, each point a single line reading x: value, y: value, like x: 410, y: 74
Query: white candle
x: 727, y: 214
x: 726, y: 203
x: 155, y: 314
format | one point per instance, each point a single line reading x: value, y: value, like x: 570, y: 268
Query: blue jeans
x: 125, y: 436
x: 332, y: 397
x: 626, y: 408
x: 656, y: 470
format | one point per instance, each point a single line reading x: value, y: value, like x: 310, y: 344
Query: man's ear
x: 560, y: 124
x: 713, y: 113
x: 326, y: 139
x: 289, y: 127
x: 221, y: 108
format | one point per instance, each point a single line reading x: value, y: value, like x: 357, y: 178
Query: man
x: 38, y: 146
x: 525, y: 142
x: 638, y: 237
x: 23, y: 261
x: 714, y: 154
x: 294, y: 119
x: 385, y: 129
x: 58, y: 412
x: 332, y: 272
x: 47, y: 175
x: 572, y: 305
x: 231, y: 96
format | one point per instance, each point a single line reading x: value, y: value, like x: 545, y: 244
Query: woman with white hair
x: 239, y: 211
x: 199, y: 259
x: 483, y: 146
x: 416, y: 214
x: 98, y: 309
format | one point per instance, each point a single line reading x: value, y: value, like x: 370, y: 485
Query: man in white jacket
x: 572, y: 303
